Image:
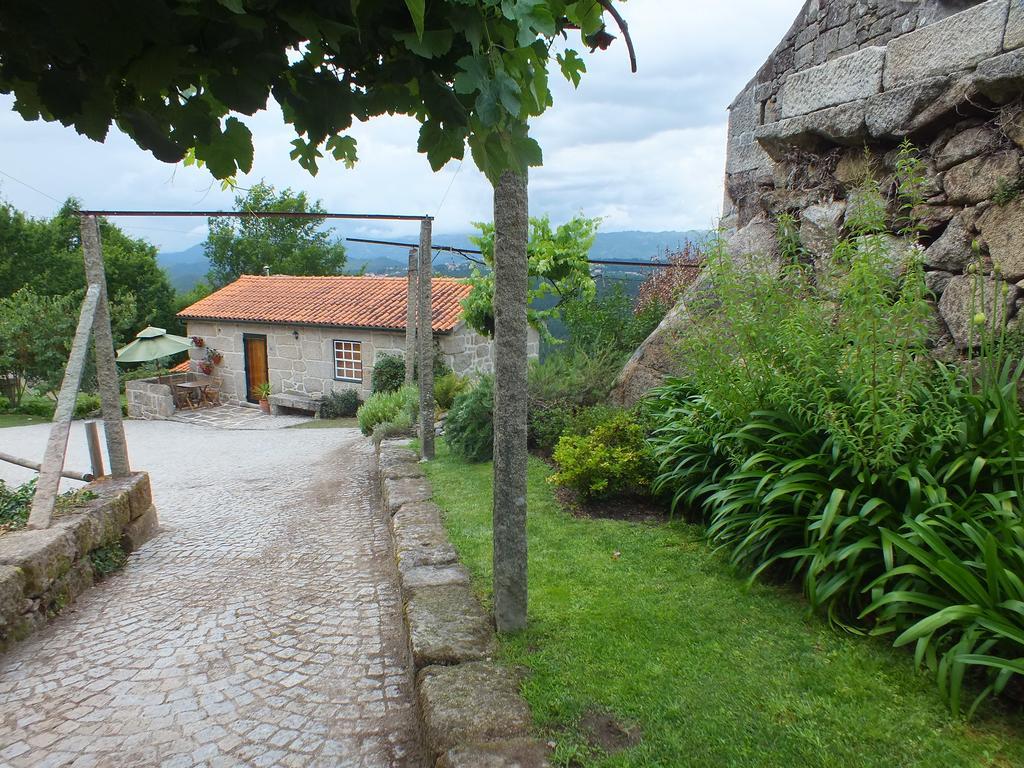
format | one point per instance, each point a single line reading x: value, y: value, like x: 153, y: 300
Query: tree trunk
x: 511, y: 225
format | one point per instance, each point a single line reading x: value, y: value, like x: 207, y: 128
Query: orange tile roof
x: 182, y: 367
x: 349, y: 302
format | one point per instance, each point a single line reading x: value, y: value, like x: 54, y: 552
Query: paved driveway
x: 261, y: 627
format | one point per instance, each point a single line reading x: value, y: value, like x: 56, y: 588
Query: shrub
x: 401, y: 426
x: 85, y: 404
x: 5, y: 403
x: 340, y: 405
x: 447, y: 388
x: 108, y: 559
x: 384, y: 407
x: 547, y: 423
x: 821, y: 443
x: 388, y: 373
x: 469, y: 428
x: 37, y: 405
x: 612, y: 459
x: 15, y: 504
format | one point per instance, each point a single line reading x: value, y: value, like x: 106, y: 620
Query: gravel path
x: 261, y: 627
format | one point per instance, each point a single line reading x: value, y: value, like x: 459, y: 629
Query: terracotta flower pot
x: 265, y: 406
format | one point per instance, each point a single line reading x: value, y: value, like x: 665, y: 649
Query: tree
x: 36, y: 332
x: 557, y: 267
x: 472, y: 72
x: 44, y: 255
x: 243, y: 246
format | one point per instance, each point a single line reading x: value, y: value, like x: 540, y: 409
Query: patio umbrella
x: 152, y: 343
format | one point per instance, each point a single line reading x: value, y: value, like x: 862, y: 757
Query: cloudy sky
x: 643, y: 151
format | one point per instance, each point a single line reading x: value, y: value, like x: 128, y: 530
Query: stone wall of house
x: 42, y: 571
x: 301, y: 358
x: 850, y: 81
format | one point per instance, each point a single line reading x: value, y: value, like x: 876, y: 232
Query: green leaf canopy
x: 175, y: 75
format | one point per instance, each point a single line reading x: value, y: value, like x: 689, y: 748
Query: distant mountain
x: 188, y: 267
x: 184, y: 268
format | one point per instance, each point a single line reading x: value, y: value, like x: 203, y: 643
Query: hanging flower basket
x: 206, y: 367
x: 216, y: 357
x: 199, y: 341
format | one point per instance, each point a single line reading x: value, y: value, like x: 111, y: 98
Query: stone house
x: 310, y: 335
x: 856, y: 75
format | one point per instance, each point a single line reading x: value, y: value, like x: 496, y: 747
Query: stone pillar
x: 425, y: 342
x: 103, y: 341
x: 410, y: 319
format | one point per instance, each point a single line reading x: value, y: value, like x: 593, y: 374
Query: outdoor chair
x: 181, y: 398
x: 211, y: 395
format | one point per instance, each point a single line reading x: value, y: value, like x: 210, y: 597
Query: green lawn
x: 19, y: 420
x: 712, y: 672
x: 326, y: 424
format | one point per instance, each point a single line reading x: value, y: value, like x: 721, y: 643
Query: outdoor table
x: 194, y: 390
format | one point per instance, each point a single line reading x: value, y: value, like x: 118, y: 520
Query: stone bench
x: 295, y: 401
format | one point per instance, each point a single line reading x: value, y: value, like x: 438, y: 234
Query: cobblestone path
x: 262, y: 627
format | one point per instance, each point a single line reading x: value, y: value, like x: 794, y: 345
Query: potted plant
x: 216, y: 357
x: 198, y: 341
x: 262, y: 391
x: 206, y: 367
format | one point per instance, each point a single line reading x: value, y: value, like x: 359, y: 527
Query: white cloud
x: 644, y: 151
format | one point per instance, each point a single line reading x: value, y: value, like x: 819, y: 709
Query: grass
x: 20, y: 420
x: 713, y: 672
x: 327, y: 424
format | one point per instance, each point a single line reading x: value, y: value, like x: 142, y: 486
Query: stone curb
x: 471, y: 713
x: 42, y: 571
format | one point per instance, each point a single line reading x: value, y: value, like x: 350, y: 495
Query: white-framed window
x: 348, y: 360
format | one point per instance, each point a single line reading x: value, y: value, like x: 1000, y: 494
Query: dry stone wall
x: 849, y: 82
x: 42, y: 571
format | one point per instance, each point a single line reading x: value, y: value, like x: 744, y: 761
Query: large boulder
x: 964, y: 146
x: 820, y: 225
x: 890, y: 114
x: 1002, y: 228
x: 968, y: 295
x: 979, y: 179
x: 952, y: 251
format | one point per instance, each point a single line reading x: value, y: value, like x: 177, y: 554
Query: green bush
x: 403, y: 425
x: 548, y: 423
x: 469, y: 428
x: 447, y: 388
x: 563, y: 385
x: 86, y: 403
x: 385, y: 407
x: 612, y: 459
x: 37, y: 405
x: 15, y: 504
x: 340, y: 405
x: 388, y: 373
x: 5, y: 403
x: 819, y: 442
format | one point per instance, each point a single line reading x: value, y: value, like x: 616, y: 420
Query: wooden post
x: 410, y: 320
x: 425, y: 343
x: 52, y: 466
x: 103, y: 341
x: 85, y: 477
x: 92, y: 437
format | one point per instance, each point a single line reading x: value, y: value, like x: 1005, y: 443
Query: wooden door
x: 256, y: 369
